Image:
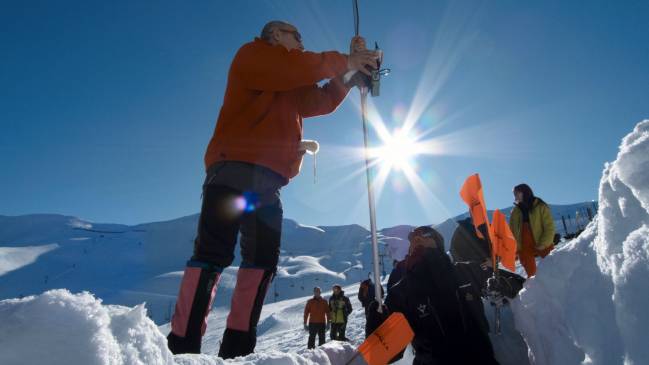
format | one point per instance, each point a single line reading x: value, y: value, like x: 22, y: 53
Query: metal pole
x: 496, y: 272
x: 495, y: 262
x: 370, y: 197
x: 370, y: 192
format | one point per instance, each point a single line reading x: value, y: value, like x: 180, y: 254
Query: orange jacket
x: 318, y: 309
x: 269, y: 91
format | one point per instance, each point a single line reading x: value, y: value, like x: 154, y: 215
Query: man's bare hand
x: 360, y: 60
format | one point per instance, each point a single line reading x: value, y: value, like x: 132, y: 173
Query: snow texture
x: 71, y: 328
x: 65, y: 328
x: 588, y: 303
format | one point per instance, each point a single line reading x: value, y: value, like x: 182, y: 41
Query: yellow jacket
x: 541, y: 224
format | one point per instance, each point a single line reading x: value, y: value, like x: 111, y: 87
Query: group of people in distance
x: 332, y: 315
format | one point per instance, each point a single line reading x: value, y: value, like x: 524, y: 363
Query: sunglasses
x: 296, y: 34
x: 420, y: 233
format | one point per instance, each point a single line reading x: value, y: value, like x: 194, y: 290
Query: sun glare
x: 397, y: 152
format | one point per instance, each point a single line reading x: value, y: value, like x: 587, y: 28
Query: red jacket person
x: 272, y: 85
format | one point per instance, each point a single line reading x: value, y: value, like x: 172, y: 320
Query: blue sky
x: 107, y: 107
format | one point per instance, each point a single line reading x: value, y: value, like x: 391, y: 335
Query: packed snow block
x: 59, y: 327
x: 623, y: 248
x: 588, y: 302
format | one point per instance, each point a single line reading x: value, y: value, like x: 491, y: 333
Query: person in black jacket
x: 472, y: 257
x: 366, y: 295
x: 429, y: 296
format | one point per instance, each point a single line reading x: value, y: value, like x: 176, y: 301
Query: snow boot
x: 240, y: 336
x: 195, y: 299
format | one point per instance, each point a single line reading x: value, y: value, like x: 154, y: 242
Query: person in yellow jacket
x: 532, y: 224
x: 340, y: 307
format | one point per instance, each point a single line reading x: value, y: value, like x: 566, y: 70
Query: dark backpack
x: 366, y: 292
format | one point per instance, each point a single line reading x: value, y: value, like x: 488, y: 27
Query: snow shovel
x: 388, y: 340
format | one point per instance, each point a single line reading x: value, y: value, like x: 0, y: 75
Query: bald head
x: 267, y: 31
x: 277, y: 32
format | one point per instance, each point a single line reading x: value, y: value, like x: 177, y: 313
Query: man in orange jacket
x: 272, y: 85
x: 316, y: 314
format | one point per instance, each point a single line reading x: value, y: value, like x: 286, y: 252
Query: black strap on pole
x: 356, y: 19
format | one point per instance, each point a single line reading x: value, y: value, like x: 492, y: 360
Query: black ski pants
x: 238, y: 198
x: 319, y: 329
x: 338, y: 331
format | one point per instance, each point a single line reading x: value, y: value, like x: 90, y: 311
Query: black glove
x: 494, y: 292
x: 306, y: 327
x: 494, y: 285
x: 374, y: 318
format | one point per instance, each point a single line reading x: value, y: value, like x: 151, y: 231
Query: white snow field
x: 587, y: 304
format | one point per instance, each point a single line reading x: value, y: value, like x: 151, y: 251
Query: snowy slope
x: 588, y: 303
x: 133, y: 264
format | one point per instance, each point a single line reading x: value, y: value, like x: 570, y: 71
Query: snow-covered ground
x: 78, y: 329
x: 587, y: 304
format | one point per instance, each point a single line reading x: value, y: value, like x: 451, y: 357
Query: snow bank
x: 331, y: 353
x: 67, y: 328
x: 589, y: 301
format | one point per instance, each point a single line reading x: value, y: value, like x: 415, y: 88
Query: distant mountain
x: 133, y: 264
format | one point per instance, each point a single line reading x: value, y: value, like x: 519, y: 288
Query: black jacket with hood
x: 428, y: 295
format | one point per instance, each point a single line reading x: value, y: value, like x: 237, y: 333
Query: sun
x: 398, y: 151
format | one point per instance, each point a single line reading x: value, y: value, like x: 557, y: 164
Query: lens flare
x: 397, y: 152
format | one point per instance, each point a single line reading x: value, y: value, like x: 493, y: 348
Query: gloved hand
x: 374, y: 318
x: 494, y: 292
x: 328, y: 326
x: 493, y: 285
x: 306, y: 327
